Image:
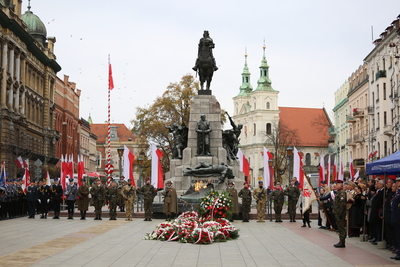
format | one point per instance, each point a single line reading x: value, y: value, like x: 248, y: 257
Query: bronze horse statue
x: 205, y: 63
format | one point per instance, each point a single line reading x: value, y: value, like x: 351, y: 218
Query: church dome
x: 35, y: 25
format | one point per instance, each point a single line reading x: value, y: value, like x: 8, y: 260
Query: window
x: 268, y: 105
x: 308, y: 159
x: 268, y: 128
x: 255, y: 129
x: 384, y: 91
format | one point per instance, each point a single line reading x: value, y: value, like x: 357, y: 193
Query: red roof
x: 312, y: 124
x: 101, y: 130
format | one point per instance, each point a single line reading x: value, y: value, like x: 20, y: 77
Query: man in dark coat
x: 31, y: 198
x: 56, y: 193
x: 279, y: 198
x: 375, y: 217
x: 395, y: 218
x: 44, y: 199
x: 170, y: 201
x: 70, y: 194
x: 83, y: 200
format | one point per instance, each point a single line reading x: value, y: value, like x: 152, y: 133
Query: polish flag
x: 308, y: 194
x: 3, y: 178
x: 20, y: 163
x: 351, y: 167
x: 334, y: 169
x: 340, y: 171
x: 328, y: 178
x: 267, y: 175
x: 297, y: 166
x: 27, y: 178
x: 48, y: 178
x: 81, y: 169
x: 244, y: 165
x: 357, y: 175
x: 71, y: 166
x: 63, y: 171
x: 157, y: 176
x: 129, y: 159
x: 321, y: 170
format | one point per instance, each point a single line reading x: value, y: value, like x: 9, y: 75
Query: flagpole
x: 109, y: 130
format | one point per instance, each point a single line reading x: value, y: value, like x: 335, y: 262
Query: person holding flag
x: 56, y: 193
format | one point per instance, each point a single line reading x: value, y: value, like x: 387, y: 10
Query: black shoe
x: 339, y: 245
x: 303, y: 225
x: 149, y: 219
x: 321, y: 227
x: 372, y: 240
x: 244, y: 221
x: 145, y: 220
x: 294, y: 220
x: 396, y: 258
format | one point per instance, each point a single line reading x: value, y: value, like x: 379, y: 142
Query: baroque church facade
x: 259, y: 113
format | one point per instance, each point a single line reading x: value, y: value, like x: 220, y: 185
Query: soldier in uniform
x: 112, y: 197
x: 70, y: 194
x: 31, y: 197
x: 149, y: 192
x: 293, y: 193
x: 279, y: 198
x: 245, y: 194
x: 260, y: 195
x: 234, y: 198
x: 83, y: 200
x: 339, y: 209
x: 129, y: 194
x: 170, y: 201
x: 56, y: 196
x: 98, y: 193
x: 44, y: 199
x: 121, y: 200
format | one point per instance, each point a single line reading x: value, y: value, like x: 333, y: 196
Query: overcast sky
x: 313, y: 46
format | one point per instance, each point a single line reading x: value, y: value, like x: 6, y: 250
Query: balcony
x: 350, y: 142
x: 380, y: 74
x: 331, y: 139
x: 331, y: 131
x: 350, y: 119
x: 358, y: 113
x: 388, y: 130
x: 357, y: 138
x: 371, y: 110
x: 357, y: 163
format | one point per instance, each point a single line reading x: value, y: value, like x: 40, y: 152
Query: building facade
x: 28, y: 78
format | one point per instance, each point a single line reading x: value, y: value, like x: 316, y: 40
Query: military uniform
x: 339, y: 209
x: 98, y: 193
x: 129, y: 194
x: 149, y: 192
x: 121, y: 200
x: 279, y: 198
x: 70, y: 194
x: 170, y: 201
x: 293, y: 194
x: 83, y: 200
x: 245, y: 194
x: 31, y: 197
x: 44, y: 199
x: 112, y: 196
x: 56, y: 196
x: 260, y: 195
x: 234, y: 198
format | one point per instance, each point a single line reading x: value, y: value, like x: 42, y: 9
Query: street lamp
x: 120, y: 151
x: 140, y: 162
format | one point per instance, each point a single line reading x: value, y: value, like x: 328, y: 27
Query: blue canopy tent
x: 389, y: 165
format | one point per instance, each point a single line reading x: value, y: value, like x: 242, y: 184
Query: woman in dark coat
x: 357, y: 211
x: 83, y: 200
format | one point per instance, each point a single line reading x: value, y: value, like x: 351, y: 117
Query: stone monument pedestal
x: 210, y: 107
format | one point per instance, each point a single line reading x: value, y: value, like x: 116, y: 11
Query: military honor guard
x: 70, y: 195
x: 293, y: 193
x: 44, y: 199
x: 339, y: 209
x: 83, y: 200
x: 170, y: 201
x: 245, y: 195
x: 121, y: 200
x: 112, y: 197
x: 149, y: 192
x: 278, y: 197
x: 98, y: 193
x: 31, y: 198
x: 129, y: 194
x: 56, y: 193
x: 260, y: 195
x: 234, y: 198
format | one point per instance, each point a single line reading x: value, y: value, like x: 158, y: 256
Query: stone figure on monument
x: 205, y: 62
x: 203, y: 129
x: 230, y: 139
x: 180, y: 139
x: 204, y: 169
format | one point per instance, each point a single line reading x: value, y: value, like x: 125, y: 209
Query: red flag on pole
x: 81, y: 169
x: 129, y: 159
x: 110, y: 77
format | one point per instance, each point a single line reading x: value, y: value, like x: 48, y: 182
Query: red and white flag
x: 81, y: 169
x: 48, y: 178
x: 328, y: 177
x: 129, y: 159
x: 321, y: 169
x: 110, y: 77
x: 334, y: 169
x: 308, y: 194
x: 357, y: 175
x: 26, y: 178
x: 63, y: 172
x: 267, y: 179
x: 244, y: 165
x: 157, y: 176
x: 298, y: 167
x: 351, y: 168
x: 341, y: 170
x: 71, y: 166
x: 20, y: 162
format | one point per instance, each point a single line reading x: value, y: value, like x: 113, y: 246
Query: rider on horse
x: 209, y: 43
